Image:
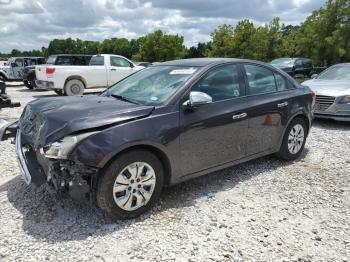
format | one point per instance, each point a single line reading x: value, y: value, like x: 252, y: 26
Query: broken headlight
x: 61, y: 148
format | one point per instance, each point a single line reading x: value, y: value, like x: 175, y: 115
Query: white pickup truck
x: 103, y: 71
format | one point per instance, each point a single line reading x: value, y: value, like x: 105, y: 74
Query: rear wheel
x: 130, y: 185
x: 294, y: 140
x: 28, y: 84
x: 74, y: 87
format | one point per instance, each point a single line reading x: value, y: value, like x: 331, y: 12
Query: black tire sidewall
x: 284, y: 151
x: 104, y: 194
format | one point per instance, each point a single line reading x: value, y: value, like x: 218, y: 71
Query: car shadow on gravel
x: 53, y: 218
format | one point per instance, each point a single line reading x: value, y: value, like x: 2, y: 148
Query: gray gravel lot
x: 264, y: 210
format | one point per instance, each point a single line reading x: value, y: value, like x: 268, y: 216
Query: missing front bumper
x: 62, y: 175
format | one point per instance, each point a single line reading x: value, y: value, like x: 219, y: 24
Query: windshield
x: 97, y: 61
x: 153, y: 85
x: 283, y: 61
x: 339, y: 72
x: 51, y: 60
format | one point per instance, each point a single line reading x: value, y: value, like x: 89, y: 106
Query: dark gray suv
x: 161, y: 126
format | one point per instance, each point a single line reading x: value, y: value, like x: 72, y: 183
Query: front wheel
x: 294, y: 140
x: 130, y: 185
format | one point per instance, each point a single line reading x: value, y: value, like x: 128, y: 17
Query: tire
x: 3, y: 78
x: 111, y: 198
x: 292, y: 144
x: 74, y: 87
x: 59, y: 92
x: 28, y: 84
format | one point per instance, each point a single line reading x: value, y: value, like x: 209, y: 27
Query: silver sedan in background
x: 332, y: 88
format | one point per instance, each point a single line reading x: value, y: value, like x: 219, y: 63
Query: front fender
x: 98, y: 149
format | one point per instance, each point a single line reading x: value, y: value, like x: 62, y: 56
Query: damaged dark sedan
x: 161, y: 126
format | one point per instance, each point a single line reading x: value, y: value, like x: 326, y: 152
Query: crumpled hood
x: 47, y: 120
x: 329, y: 87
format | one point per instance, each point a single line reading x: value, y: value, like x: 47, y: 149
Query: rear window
x: 51, y: 60
x: 63, y: 60
x: 97, y: 61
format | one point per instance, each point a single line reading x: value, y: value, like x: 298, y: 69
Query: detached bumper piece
x: 5, y: 100
x: 62, y: 175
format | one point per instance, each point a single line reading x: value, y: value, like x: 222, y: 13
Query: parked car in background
x: 144, y: 64
x: 161, y: 126
x: 103, y: 71
x: 15, y: 65
x: 28, y: 73
x: 294, y: 66
x: 3, y: 62
x: 332, y: 88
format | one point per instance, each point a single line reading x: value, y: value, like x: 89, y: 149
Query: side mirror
x: 198, y: 99
x: 314, y: 76
x: 132, y: 65
x: 13, y: 64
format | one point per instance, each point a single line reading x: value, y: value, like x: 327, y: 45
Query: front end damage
x: 50, y: 129
x: 65, y: 176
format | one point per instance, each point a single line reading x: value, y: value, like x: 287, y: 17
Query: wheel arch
x: 152, y: 149
x: 295, y: 116
x: 75, y: 77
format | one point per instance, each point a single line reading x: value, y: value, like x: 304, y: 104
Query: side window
x: 119, y: 62
x: 19, y: 62
x: 41, y: 61
x: 32, y: 61
x: 78, y: 60
x: 299, y: 63
x: 260, y: 80
x: 281, y: 83
x: 221, y: 83
x: 63, y: 60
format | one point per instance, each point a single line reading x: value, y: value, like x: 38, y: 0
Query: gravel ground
x: 264, y: 210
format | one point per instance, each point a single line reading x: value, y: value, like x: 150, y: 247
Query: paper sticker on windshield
x: 182, y: 72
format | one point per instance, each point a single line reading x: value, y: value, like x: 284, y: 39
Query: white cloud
x: 32, y: 24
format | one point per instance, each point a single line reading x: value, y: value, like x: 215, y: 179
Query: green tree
x: 158, y: 46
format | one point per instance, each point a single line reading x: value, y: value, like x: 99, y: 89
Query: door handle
x: 239, y: 116
x: 113, y: 69
x: 284, y: 104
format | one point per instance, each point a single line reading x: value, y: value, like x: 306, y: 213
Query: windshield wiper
x: 123, y: 98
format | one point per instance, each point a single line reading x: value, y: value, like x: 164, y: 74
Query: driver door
x: 215, y: 133
x: 119, y: 68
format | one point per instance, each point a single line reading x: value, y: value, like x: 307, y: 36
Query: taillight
x: 50, y: 70
x: 313, y: 96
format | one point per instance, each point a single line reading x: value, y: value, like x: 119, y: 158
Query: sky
x: 31, y: 24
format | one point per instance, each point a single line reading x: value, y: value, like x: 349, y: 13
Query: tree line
x: 324, y: 37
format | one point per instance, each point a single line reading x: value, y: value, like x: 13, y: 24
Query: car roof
x: 202, y: 62
x: 70, y: 55
x: 15, y: 57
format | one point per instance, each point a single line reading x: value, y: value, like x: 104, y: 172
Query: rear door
x: 269, y: 99
x: 118, y: 69
x: 214, y: 134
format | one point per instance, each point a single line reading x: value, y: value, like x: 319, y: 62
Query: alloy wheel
x: 134, y: 186
x: 296, y: 139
